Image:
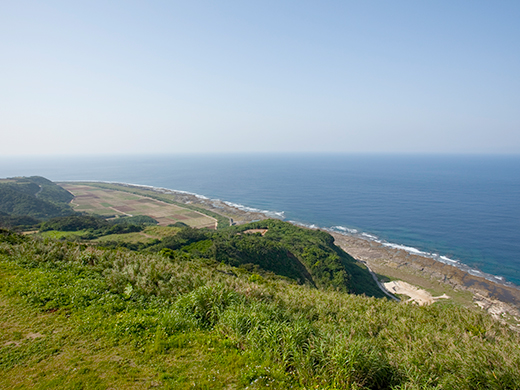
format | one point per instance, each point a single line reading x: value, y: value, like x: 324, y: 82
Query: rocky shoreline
x: 501, y: 301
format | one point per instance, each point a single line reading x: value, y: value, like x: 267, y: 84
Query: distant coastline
x: 489, y: 292
x: 463, y: 208
x: 367, y: 236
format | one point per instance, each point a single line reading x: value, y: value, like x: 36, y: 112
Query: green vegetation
x: 48, y: 190
x: 23, y: 222
x: 303, y: 255
x: 64, y: 236
x: 25, y: 201
x: 73, y: 316
x: 135, y: 220
x: 329, y: 265
x: 74, y: 223
x: 254, y: 252
x: 93, y: 227
x: 141, y: 240
x: 81, y: 222
x: 160, y: 231
x: 125, y: 303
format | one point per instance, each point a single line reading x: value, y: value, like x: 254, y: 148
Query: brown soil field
x: 118, y: 203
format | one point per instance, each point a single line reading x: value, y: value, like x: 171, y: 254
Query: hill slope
x: 78, y: 317
x: 328, y: 265
x: 303, y: 255
x: 34, y: 197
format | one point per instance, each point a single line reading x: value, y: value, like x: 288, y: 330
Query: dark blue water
x: 463, y: 207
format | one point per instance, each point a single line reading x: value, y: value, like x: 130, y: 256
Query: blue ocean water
x: 465, y: 208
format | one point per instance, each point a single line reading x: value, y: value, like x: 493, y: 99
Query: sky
x: 169, y: 77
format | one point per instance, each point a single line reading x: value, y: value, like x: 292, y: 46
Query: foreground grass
x: 76, y: 317
x: 47, y: 351
x: 50, y: 349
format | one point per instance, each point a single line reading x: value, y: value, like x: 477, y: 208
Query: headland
x: 387, y: 263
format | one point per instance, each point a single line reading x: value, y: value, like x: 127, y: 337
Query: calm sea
x: 464, y: 208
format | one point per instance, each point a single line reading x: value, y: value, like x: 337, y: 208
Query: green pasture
x: 62, y: 235
x: 148, y: 235
x: 131, y: 238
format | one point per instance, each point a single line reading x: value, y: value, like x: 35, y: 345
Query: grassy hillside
x: 328, y: 264
x: 48, y: 190
x: 73, y: 316
x: 303, y: 255
x: 31, y: 197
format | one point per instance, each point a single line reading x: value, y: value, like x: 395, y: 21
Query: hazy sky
x: 117, y: 77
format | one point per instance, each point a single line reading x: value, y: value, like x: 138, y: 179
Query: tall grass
x: 292, y: 335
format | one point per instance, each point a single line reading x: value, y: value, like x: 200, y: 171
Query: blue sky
x: 123, y: 77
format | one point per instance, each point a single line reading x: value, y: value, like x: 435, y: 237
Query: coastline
x: 388, y: 261
x: 397, y: 264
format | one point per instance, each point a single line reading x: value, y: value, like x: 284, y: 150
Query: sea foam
x: 269, y: 213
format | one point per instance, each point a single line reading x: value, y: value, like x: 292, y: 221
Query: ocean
x: 453, y: 208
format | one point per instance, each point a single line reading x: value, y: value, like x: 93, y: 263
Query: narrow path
x: 379, y: 284
x: 40, y: 190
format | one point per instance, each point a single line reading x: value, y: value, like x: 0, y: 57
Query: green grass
x: 64, y: 356
x: 126, y: 237
x: 75, y: 348
x: 161, y: 231
x: 62, y: 235
x: 148, y: 235
x: 113, y: 319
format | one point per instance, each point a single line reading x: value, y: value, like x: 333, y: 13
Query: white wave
x: 169, y: 191
x: 448, y: 260
x: 409, y: 249
x: 306, y: 225
x: 281, y: 215
x: 369, y: 236
x: 154, y: 188
x: 277, y: 214
x: 476, y: 272
x: 492, y: 278
x: 345, y: 229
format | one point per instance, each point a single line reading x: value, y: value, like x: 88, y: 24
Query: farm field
x: 106, y: 202
x: 148, y: 235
